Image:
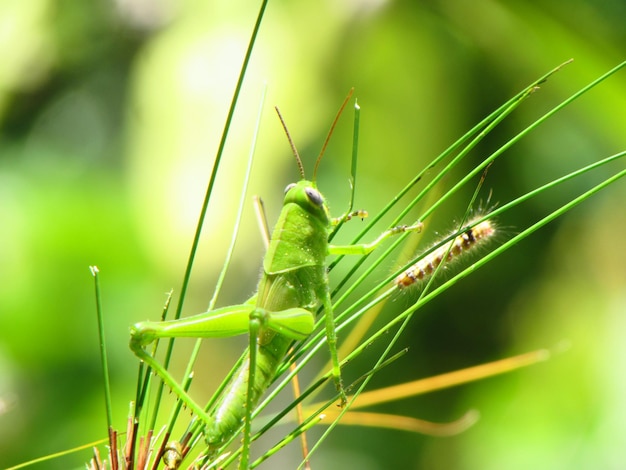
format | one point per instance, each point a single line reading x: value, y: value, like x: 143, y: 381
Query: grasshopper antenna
x: 293, y: 146
x: 330, y: 132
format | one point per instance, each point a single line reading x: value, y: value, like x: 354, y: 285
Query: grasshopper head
x: 306, y: 195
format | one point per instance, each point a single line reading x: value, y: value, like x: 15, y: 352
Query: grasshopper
x: 293, y: 285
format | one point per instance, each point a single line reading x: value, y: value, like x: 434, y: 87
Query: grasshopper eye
x: 289, y: 187
x: 314, y: 196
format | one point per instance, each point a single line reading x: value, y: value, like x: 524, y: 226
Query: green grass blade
x: 103, y: 350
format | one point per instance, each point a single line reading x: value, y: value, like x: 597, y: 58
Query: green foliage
x: 110, y: 118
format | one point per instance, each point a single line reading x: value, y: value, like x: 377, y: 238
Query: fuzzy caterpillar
x: 464, y: 242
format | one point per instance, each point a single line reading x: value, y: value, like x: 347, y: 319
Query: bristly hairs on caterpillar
x: 479, y: 230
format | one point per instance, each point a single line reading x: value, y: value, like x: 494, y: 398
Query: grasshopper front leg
x: 366, y: 248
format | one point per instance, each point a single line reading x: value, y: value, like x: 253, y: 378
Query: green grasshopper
x: 293, y: 285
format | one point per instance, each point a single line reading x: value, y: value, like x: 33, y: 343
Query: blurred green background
x: 110, y: 114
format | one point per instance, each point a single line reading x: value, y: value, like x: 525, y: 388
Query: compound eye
x: 289, y: 187
x: 314, y: 196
